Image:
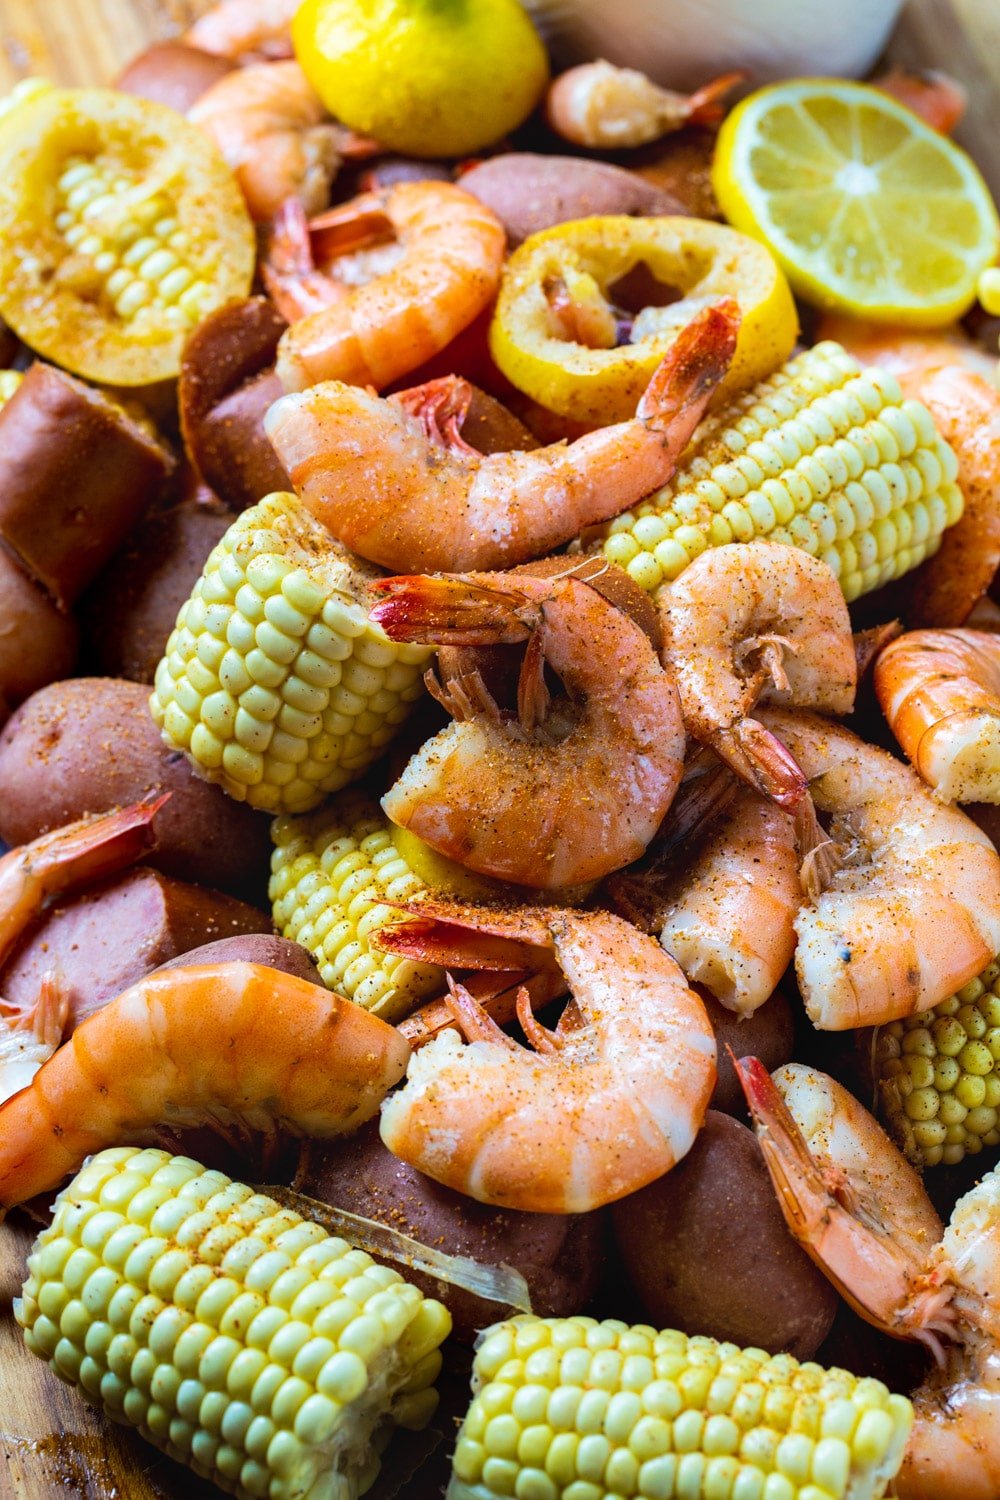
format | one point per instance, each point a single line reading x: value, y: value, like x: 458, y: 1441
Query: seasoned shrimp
x: 275, y: 134
x: 225, y: 1044
x: 603, y: 106
x: 609, y: 1101
x: 567, y: 790
x: 940, y: 692
x: 367, y: 470
x: 936, y: 97
x: 443, y: 270
x: 728, y: 917
x: 913, y: 912
x: 245, y: 29
x: 752, y: 619
x: 861, y: 1212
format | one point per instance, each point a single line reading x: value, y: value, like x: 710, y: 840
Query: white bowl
x: 683, y: 43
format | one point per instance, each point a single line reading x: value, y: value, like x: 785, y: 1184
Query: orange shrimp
x: 568, y: 790
x: 245, y: 29
x: 609, y: 1101
x: 442, y: 270
x: 603, y: 106
x: 366, y: 469
x: 940, y: 692
x: 276, y: 135
x: 936, y: 97
x: 224, y: 1044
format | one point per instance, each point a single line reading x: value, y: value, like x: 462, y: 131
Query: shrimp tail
x: 431, y: 941
x: 869, y: 643
x: 692, y: 369
x: 498, y: 992
x: 441, y: 407
x: 288, y: 269
x: 759, y: 757
x: 94, y: 847
x: 705, y: 106
x: 880, y: 1282
x: 936, y: 97
x: 450, y: 612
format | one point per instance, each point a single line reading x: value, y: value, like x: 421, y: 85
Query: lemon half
x: 866, y: 208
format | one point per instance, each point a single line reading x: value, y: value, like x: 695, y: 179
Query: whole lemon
x: 424, y: 77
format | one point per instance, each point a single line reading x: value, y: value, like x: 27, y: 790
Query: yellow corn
x: 331, y: 872
x: 22, y: 93
x: 275, y: 682
x: 128, y: 247
x: 823, y: 455
x: 9, y: 382
x: 243, y: 1340
x: 572, y: 1409
x: 939, y: 1075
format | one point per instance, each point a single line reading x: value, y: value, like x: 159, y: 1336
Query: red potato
x: 174, y: 74
x: 100, y: 942
x: 252, y: 948
x: 558, y: 1254
x: 768, y: 1034
x: 38, y: 642
x: 528, y: 192
x: 89, y: 745
x: 131, y: 608
x: 707, y: 1250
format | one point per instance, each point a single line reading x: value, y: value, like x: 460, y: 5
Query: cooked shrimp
x: 940, y: 692
x: 861, y: 1212
x: 444, y: 269
x: 728, y: 918
x: 597, y: 1110
x: 30, y: 1039
x: 224, y: 1044
x: 936, y: 97
x: 276, y: 135
x: 752, y: 619
x: 366, y: 469
x: 245, y: 29
x: 68, y: 857
x: 913, y: 912
x: 567, y: 790
x: 600, y: 105
x: 905, y: 352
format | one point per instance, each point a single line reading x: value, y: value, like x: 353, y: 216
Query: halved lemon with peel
x: 867, y: 209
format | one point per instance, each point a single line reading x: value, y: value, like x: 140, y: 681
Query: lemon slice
x: 866, y: 208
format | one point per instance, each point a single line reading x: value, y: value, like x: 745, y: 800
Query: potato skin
x: 707, y: 1250
x: 110, y: 936
x: 132, y: 606
x: 559, y: 1255
x: 88, y: 745
x: 173, y: 73
x: 38, y: 642
x: 260, y: 947
x: 528, y: 192
x: 768, y: 1034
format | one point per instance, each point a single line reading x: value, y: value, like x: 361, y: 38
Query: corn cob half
x: 275, y: 682
x: 823, y: 455
x: 572, y: 1409
x: 331, y: 873
x: 939, y: 1075
x: 240, y: 1338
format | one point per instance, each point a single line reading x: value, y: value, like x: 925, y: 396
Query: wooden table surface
x: 51, y: 1444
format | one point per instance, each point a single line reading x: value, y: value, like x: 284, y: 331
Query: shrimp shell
x: 913, y: 913
x: 245, y: 29
x: 604, y: 1109
x: 230, y: 1043
x: 448, y: 272
x: 940, y: 692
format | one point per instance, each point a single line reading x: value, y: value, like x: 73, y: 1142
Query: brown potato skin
x: 76, y: 472
x: 528, y: 192
x: 38, y: 642
x: 260, y: 947
x: 707, y: 1250
x: 131, y: 608
x: 559, y: 1255
x: 768, y: 1034
x: 88, y: 745
x: 114, y: 934
x: 172, y: 73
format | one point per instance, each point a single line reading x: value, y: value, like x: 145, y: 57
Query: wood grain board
x: 51, y: 1444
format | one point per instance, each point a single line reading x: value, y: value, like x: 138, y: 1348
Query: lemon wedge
x: 867, y: 209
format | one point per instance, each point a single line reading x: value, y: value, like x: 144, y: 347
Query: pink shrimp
x: 600, y: 105
x: 246, y: 30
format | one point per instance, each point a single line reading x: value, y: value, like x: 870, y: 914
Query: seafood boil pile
x: 500, y: 767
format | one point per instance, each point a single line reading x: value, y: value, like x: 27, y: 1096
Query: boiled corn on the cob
x: 939, y: 1075
x: 275, y: 682
x: 572, y: 1409
x: 331, y: 873
x: 240, y: 1338
x: 823, y: 455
